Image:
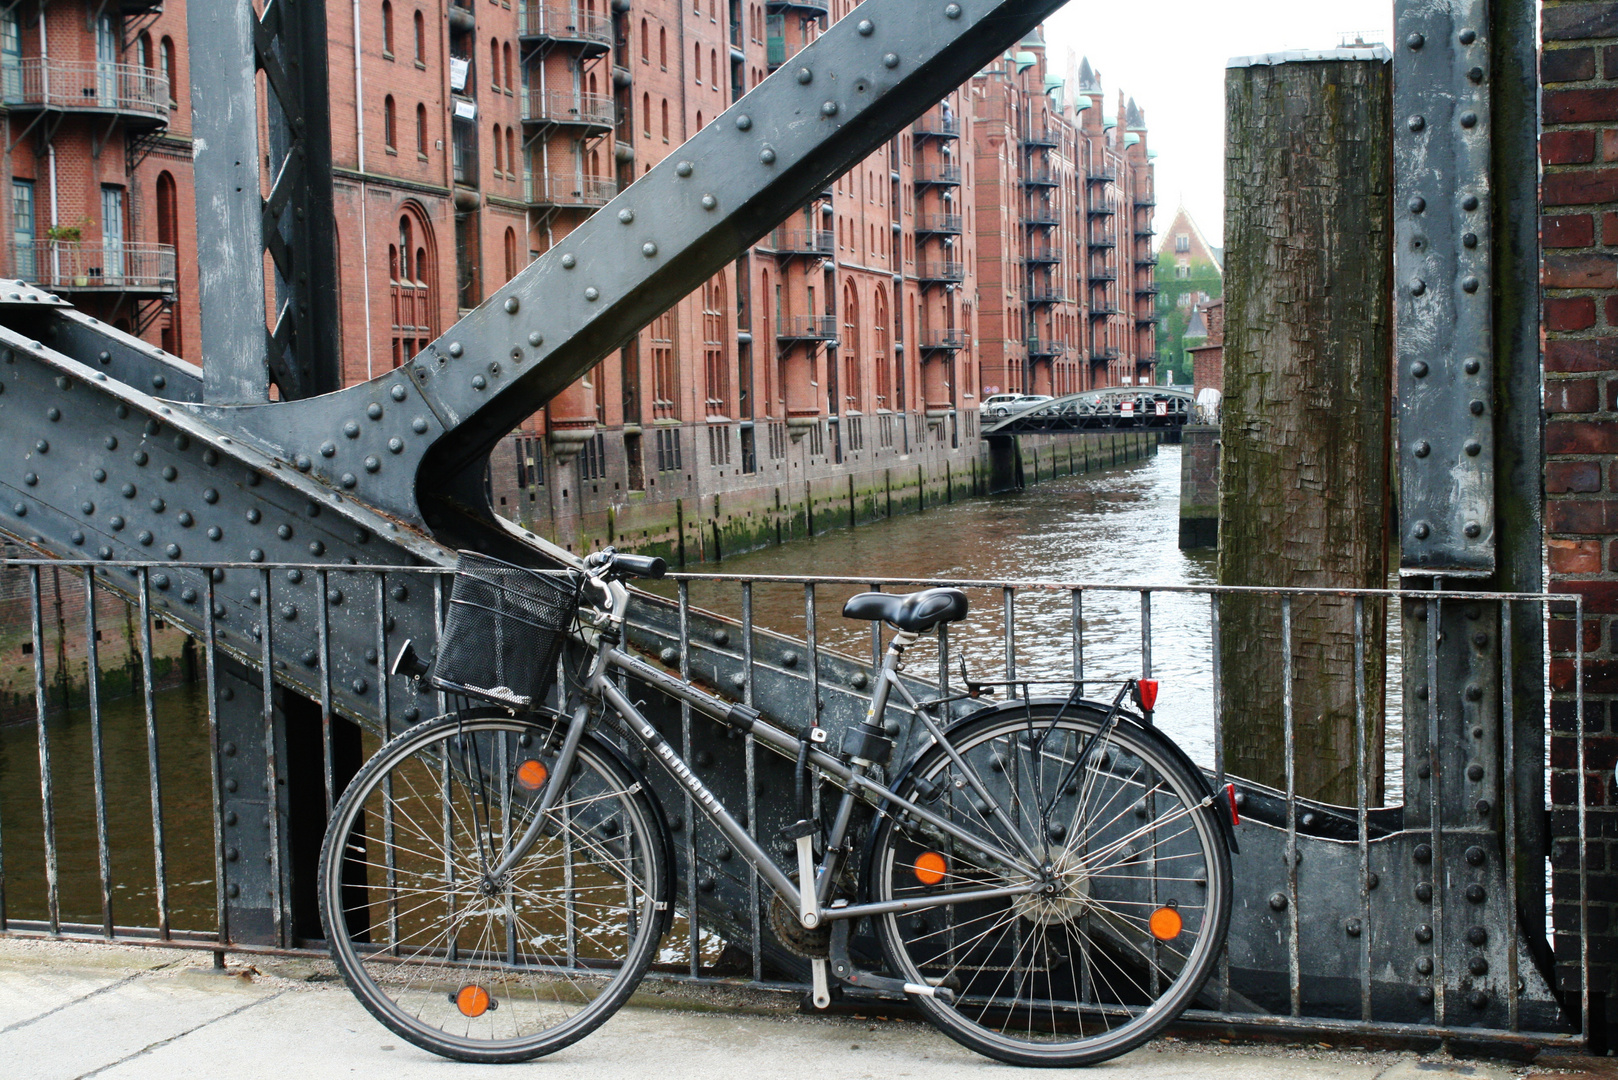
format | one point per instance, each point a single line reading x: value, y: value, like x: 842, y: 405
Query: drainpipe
x: 50, y: 148
x: 365, y: 206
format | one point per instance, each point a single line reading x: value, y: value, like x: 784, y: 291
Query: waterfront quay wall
x: 713, y: 508
x: 688, y: 518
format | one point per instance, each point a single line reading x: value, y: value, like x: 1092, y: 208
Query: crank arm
x: 843, y: 967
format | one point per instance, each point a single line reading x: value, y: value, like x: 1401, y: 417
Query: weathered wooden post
x: 1305, y: 424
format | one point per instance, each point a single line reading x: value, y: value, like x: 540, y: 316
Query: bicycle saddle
x: 916, y: 612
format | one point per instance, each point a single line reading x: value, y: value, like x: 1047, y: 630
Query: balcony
x: 1041, y: 178
x: 937, y: 173
x: 91, y: 266
x: 1145, y: 234
x: 1105, y: 240
x: 136, y: 93
x: 1041, y: 217
x: 1043, y: 294
x: 566, y: 24
x: 1101, y: 210
x: 1100, y: 274
x: 816, y: 242
x: 818, y: 7
x: 806, y: 328
x: 1101, y: 176
x: 1145, y: 202
x: 1104, y: 312
x: 570, y: 192
x: 1146, y: 260
x: 1145, y: 320
x: 950, y: 224
x: 934, y: 272
x: 1043, y: 136
x: 943, y: 340
x: 1146, y: 290
x: 1041, y: 349
x: 593, y: 111
x: 1104, y: 355
x: 932, y: 126
x: 1043, y: 255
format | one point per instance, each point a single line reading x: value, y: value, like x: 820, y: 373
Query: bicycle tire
x: 481, y: 970
x: 1089, y: 971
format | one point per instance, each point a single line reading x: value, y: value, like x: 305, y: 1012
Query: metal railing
x: 1306, y: 874
x: 928, y: 172
x: 554, y: 190
x: 95, y: 266
x: 938, y: 126
x: 47, y: 83
x: 566, y: 107
x: 564, y: 22
x: 1044, y: 253
x: 1043, y: 135
x: 940, y: 223
x: 1046, y: 347
x: 935, y: 270
x: 943, y: 339
x: 1041, y: 178
x: 806, y: 328
x: 803, y: 241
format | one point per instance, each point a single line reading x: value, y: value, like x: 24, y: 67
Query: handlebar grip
x: 638, y: 566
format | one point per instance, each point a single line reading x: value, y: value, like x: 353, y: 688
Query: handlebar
x: 612, y: 563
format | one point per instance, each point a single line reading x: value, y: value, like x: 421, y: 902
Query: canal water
x: 1117, y: 526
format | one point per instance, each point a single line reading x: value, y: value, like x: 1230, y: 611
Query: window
x: 1182, y: 243
x: 663, y: 47
x: 665, y: 379
x: 143, y: 50
x: 511, y: 253
x: 665, y: 119
x: 511, y: 153
x: 645, y: 44
x: 715, y: 356
x: 421, y: 130
x: 499, y: 152
x: 851, y: 349
x: 879, y: 351
x: 413, y: 274
x: 668, y: 449
x: 421, y: 39
x: 22, y: 229
x: 511, y: 82
x: 390, y: 123
x: 494, y: 64
x: 593, y: 459
x: 713, y: 67
x: 696, y: 62
x: 646, y: 114
x: 165, y: 59
x: 387, y: 29
x: 168, y: 232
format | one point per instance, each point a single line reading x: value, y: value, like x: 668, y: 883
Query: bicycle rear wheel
x: 455, y: 960
x: 1131, y: 878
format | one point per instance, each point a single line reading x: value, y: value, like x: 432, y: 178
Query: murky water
x: 1112, y: 527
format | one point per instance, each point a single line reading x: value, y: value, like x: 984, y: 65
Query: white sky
x: 1169, y: 55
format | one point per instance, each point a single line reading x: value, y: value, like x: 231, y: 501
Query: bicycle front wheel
x: 472, y: 964
x: 1110, y: 928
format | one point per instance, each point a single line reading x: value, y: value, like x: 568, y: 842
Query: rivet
x: 626, y: 216
x: 1477, y: 935
x: 1417, y: 287
x: 648, y: 249
x: 865, y: 27
x: 19, y: 509
x: 157, y: 506
x: 1474, y: 693
x: 374, y: 411
x: 1468, y: 36
x: 1476, y: 75
x: 253, y: 516
x: 1417, y: 204
x: 890, y: 60
x: 1423, y: 853
x: 1424, y: 934
x: 143, y: 538
x: 789, y: 659
x: 743, y: 122
x: 1419, y: 369
x: 1469, y: 119
x: 88, y: 507
x: 1352, y: 928
x: 303, y: 463
x: 158, y: 382
x: 1473, y: 365
x: 829, y: 109
x: 53, y: 414
x: 419, y: 425
x: 592, y: 294
x: 128, y: 491
x: 214, y: 532
x: 767, y: 156
x: 1415, y: 41
x: 256, y: 555
x: 398, y: 392
x: 1470, y: 240
x: 1476, y: 408
x: 210, y: 456
x: 372, y: 464
x: 185, y: 519
x: 170, y: 473
x: 1475, y: 894
x: 1469, y: 203
x: 1483, y: 808
x: 1425, y: 995
x: 351, y: 430
x: 42, y: 446
x: 172, y: 551
x: 328, y: 449
x: 30, y: 479
x: 1474, y: 854
x: 479, y: 382
x: 1421, y: 531
x: 1473, y: 448
x: 1424, y: 771
x: 952, y: 11
x: 1417, y: 123
x: 1278, y: 901
x: 360, y: 686
x: 77, y: 537
x: 140, y: 457
x: 683, y: 169
x: 709, y: 202
x: 456, y: 348
x: 1424, y: 965
x: 1424, y: 892
x: 1422, y: 448
x: 100, y: 476
x: 1472, y: 530
x: 395, y: 445
x: 348, y: 480
x: 317, y: 548
x: 284, y: 532
x: 289, y: 613
x: 1469, y: 284
x: 805, y: 76
x: 210, y: 496
x: 569, y: 261
x: 513, y: 304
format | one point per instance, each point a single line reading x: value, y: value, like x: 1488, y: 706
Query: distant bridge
x: 1113, y: 407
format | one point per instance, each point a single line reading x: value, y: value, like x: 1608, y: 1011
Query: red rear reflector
x: 1230, y: 797
x: 1146, y: 691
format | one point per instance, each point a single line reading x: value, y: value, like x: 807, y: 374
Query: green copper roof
x: 1131, y: 139
x: 1081, y: 103
x: 1026, y: 60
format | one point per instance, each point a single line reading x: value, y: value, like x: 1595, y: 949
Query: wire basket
x: 505, y: 630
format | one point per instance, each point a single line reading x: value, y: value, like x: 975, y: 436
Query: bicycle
x: 1048, y: 879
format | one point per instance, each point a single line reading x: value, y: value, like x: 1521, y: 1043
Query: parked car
x: 999, y: 405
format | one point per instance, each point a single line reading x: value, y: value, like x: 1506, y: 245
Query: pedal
x: 843, y: 967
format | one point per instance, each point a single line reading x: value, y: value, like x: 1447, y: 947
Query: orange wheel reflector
x: 531, y: 774
x: 930, y: 867
x: 472, y: 1001
x: 1166, y: 924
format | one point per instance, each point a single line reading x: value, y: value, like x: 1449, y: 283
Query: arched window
x: 494, y: 63
x: 699, y: 119
x: 850, y: 346
x: 882, y: 375
x: 499, y: 152
x: 696, y: 7
x: 165, y: 58
x: 696, y: 62
x: 511, y: 80
x: 511, y: 253
x: 421, y: 129
x: 413, y: 274
x: 168, y: 233
x: 645, y: 44
x: 715, y: 355
x: 713, y: 67
x: 646, y: 114
x: 390, y: 124
x: 143, y: 50
x: 387, y: 28
x: 665, y: 119
x: 421, y: 38
x: 767, y: 312
x: 511, y: 153
x: 663, y: 46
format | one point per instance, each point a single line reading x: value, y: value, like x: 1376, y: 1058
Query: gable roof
x: 1184, y: 222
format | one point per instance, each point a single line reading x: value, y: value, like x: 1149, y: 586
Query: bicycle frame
x: 851, y: 778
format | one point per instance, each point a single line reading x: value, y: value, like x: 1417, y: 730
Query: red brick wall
x: 1579, y: 151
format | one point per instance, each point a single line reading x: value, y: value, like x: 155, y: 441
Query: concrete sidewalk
x: 70, y: 1011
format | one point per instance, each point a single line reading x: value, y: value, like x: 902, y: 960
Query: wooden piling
x: 1305, y: 417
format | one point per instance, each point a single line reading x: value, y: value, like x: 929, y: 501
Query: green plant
x: 64, y: 232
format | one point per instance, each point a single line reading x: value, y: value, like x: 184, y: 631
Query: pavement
x: 123, y: 1012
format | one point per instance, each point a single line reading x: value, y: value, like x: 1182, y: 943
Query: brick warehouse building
x: 1004, y: 239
